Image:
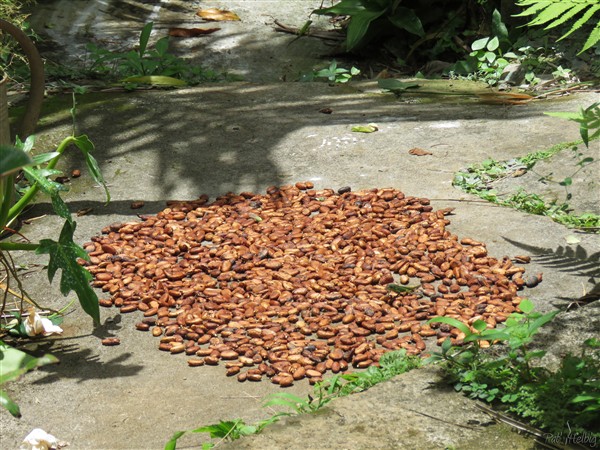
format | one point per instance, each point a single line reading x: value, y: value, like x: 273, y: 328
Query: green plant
x: 478, y: 180
x: 367, y: 17
x: 333, y: 73
x: 391, y: 364
x: 506, y: 374
x: 147, y: 65
x: 553, y: 13
x: 490, y: 55
x: 12, y: 11
x: 13, y: 364
x: 588, y: 119
x: 63, y: 254
x: 230, y: 430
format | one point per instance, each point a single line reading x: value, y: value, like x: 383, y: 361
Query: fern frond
x: 551, y: 12
x: 536, y: 6
x: 557, y: 12
x: 584, y: 19
x: 567, y: 15
x: 593, y: 39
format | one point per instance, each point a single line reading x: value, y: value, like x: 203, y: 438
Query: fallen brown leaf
x: 505, y: 98
x: 191, y: 32
x: 137, y: 205
x: 84, y: 211
x: 217, y: 15
x: 419, y: 152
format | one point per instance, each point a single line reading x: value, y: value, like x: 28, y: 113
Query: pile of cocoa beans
x: 294, y: 283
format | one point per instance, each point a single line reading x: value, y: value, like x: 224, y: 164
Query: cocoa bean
x: 109, y: 342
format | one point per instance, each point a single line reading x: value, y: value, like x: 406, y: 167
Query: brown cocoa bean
x: 109, y: 342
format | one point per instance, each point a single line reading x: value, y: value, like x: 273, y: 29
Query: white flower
x: 38, y: 439
x: 36, y: 325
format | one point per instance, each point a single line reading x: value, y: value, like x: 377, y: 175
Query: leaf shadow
x: 575, y: 261
x: 83, y: 364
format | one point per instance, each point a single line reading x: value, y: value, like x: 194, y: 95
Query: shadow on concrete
x: 83, y: 365
x: 576, y: 261
x: 224, y: 137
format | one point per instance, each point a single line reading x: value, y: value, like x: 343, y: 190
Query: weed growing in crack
x: 507, y: 375
x: 340, y: 385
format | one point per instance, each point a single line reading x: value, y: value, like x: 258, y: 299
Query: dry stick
x: 539, y: 435
x: 9, y: 265
x: 468, y: 427
x: 567, y: 89
x: 7, y: 278
x: 327, y: 35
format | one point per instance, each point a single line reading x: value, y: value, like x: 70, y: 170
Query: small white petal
x: 33, y: 325
x: 38, y: 439
x: 50, y: 328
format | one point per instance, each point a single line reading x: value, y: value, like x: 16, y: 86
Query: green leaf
x: 50, y: 188
x: 343, y: 8
x: 144, y: 37
x: 12, y: 160
x: 221, y: 430
x: 493, y: 44
x: 15, y: 363
x: 44, y: 157
x: 370, y: 128
x: 585, y: 398
x: 452, y: 322
x: 395, y: 85
x: 446, y: 345
x: 490, y: 56
x: 406, y: 19
x: 567, y: 15
x: 592, y: 39
x: 479, y: 44
x: 86, y: 146
x: 498, y: 27
x: 9, y: 404
x: 480, y: 325
x: 298, y: 404
x: 162, y: 46
x: 172, y: 443
x: 63, y: 255
x: 494, y: 335
x: 540, y: 321
x: 551, y: 12
x: 26, y: 146
x: 592, y: 343
x: 358, y: 26
x: 156, y: 80
x: 526, y: 306
x: 582, y: 20
x: 537, y: 5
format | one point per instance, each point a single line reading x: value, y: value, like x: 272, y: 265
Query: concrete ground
x: 160, y: 145
x: 156, y: 146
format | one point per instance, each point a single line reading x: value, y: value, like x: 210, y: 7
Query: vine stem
x: 28, y: 196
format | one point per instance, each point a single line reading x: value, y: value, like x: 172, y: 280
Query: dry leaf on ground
x: 505, y: 98
x: 419, y: 152
x: 191, y: 32
x: 217, y: 15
